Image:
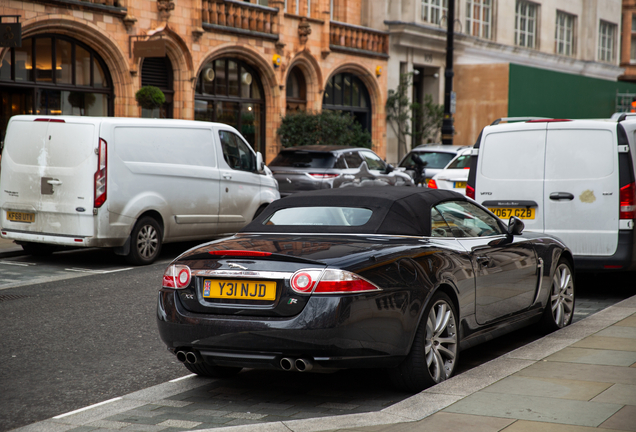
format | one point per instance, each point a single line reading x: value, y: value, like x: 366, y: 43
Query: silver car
x: 425, y: 161
x: 316, y: 167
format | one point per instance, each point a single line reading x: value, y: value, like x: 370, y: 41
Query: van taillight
x: 470, y: 191
x: 100, y: 175
x: 628, y: 201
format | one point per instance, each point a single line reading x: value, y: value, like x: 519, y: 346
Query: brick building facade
x: 242, y: 63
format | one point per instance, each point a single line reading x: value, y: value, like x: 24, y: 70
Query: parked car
x: 316, y: 167
x: 129, y: 184
x: 348, y: 278
x: 455, y: 175
x: 570, y: 178
x: 425, y: 161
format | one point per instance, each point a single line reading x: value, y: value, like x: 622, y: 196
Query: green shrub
x: 150, y: 97
x: 327, y: 128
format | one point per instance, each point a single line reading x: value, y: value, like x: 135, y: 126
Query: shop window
x: 296, y: 90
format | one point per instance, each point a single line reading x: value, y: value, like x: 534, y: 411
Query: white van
x: 570, y: 178
x: 126, y: 183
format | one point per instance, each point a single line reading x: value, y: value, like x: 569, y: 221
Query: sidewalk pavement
x: 578, y: 379
x: 9, y: 249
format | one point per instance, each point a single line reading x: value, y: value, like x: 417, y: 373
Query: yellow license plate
x: 507, y: 212
x: 239, y: 289
x: 460, y: 185
x: 21, y: 217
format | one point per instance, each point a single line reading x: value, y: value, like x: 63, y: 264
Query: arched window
x: 296, y: 90
x: 229, y: 91
x: 347, y: 93
x: 53, y: 74
x: 157, y: 72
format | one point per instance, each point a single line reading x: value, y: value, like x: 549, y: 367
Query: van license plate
x: 506, y: 213
x: 239, y: 289
x: 460, y: 185
x: 21, y: 217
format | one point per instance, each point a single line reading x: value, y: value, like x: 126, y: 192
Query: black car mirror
x: 515, y: 226
x: 389, y: 168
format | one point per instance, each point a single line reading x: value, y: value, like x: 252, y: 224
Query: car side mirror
x: 260, y: 166
x: 389, y: 168
x: 515, y: 226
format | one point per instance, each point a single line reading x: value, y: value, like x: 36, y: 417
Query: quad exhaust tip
x: 300, y: 365
x: 188, y: 357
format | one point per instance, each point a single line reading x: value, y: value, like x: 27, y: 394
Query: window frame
x: 606, y: 49
x: 471, y: 21
x: 534, y: 19
x: 561, y: 28
x: 428, y: 9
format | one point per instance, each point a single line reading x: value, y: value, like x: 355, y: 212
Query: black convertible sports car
x: 394, y: 277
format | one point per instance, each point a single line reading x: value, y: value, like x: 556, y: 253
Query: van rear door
x: 581, y: 186
x: 510, y: 172
x: 48, y: 168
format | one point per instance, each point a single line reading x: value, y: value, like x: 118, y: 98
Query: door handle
x: 227, y: 176
x: 54, y: 182
x: 560, y: 196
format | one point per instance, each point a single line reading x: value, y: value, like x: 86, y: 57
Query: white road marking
x: 183, y: 377
x: 87, y: 408
x: 97, y: 271
x: 14, y: 263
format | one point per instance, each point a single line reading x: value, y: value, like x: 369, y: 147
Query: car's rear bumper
x: 59, y: 239
x: 623, y: 259
x: 332, y: 332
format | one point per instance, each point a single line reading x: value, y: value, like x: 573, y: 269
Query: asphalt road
x: 87, y: 333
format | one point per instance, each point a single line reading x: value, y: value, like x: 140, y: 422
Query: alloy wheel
x: 147, y: 241
x: 441, y: 341
x: 562, y: 296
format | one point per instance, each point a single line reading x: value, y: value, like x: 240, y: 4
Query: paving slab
x: 443, y: 421
x: 594, y: 356
x: 533, y: 426
x: 535, y: 408
x: 624, y: 419
x: 550, y: 387
x: 607, y: 343
x: 627, y: 322
x: 624, y: 394
x: 616, y: 331
x: 582, y: 372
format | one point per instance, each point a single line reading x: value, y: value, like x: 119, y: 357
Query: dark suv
x: 315, y: 167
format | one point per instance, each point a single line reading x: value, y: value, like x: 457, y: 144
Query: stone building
x: 238, y: 62
x: 555, y: 58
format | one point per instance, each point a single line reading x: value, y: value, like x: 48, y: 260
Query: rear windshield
x: 302, y: 159
x: 327, y: 216
x: 460, y: 163
x: 431, y: 159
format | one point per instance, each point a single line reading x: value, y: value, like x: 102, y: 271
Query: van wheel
x: 145, y: 242
x: 559, y: 309
x: 38, y: 249
x: 435, y: 349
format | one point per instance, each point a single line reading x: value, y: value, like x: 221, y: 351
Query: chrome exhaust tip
x: 192, y: 357
x: 303, y: 365
x: 181, y: 356
x: 287, y: 364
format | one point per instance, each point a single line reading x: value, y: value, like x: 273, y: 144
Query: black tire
x: 38, y: 249
x: 145, y: 242
x: 559, y: 309
x: 435, y: 350
x: 209, y: 371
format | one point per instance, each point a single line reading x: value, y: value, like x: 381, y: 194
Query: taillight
x: 100, y: 175
x: 628, y: 201
x: 343, y: 282
x: 432, y: 184
x: 177, y: 276
x: 304, y: 281
x: 323, y: 176
x: 242, y: 253
x: 470, y: 191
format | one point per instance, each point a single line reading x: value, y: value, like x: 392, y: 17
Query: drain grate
x: 7, y: 297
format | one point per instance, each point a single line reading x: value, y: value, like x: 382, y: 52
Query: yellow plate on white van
x: 460, y: 185
x: 20, y: 217
x: 507, y: 212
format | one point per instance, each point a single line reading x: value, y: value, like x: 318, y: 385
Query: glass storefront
x: 347, y: 93
x: 55, y: 75
x: 229, y: 91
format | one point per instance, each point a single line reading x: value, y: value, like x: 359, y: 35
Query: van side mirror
x: 260, y: 166
x: 515, y: 226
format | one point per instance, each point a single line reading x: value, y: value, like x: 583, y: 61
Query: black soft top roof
x: 396, y: 210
